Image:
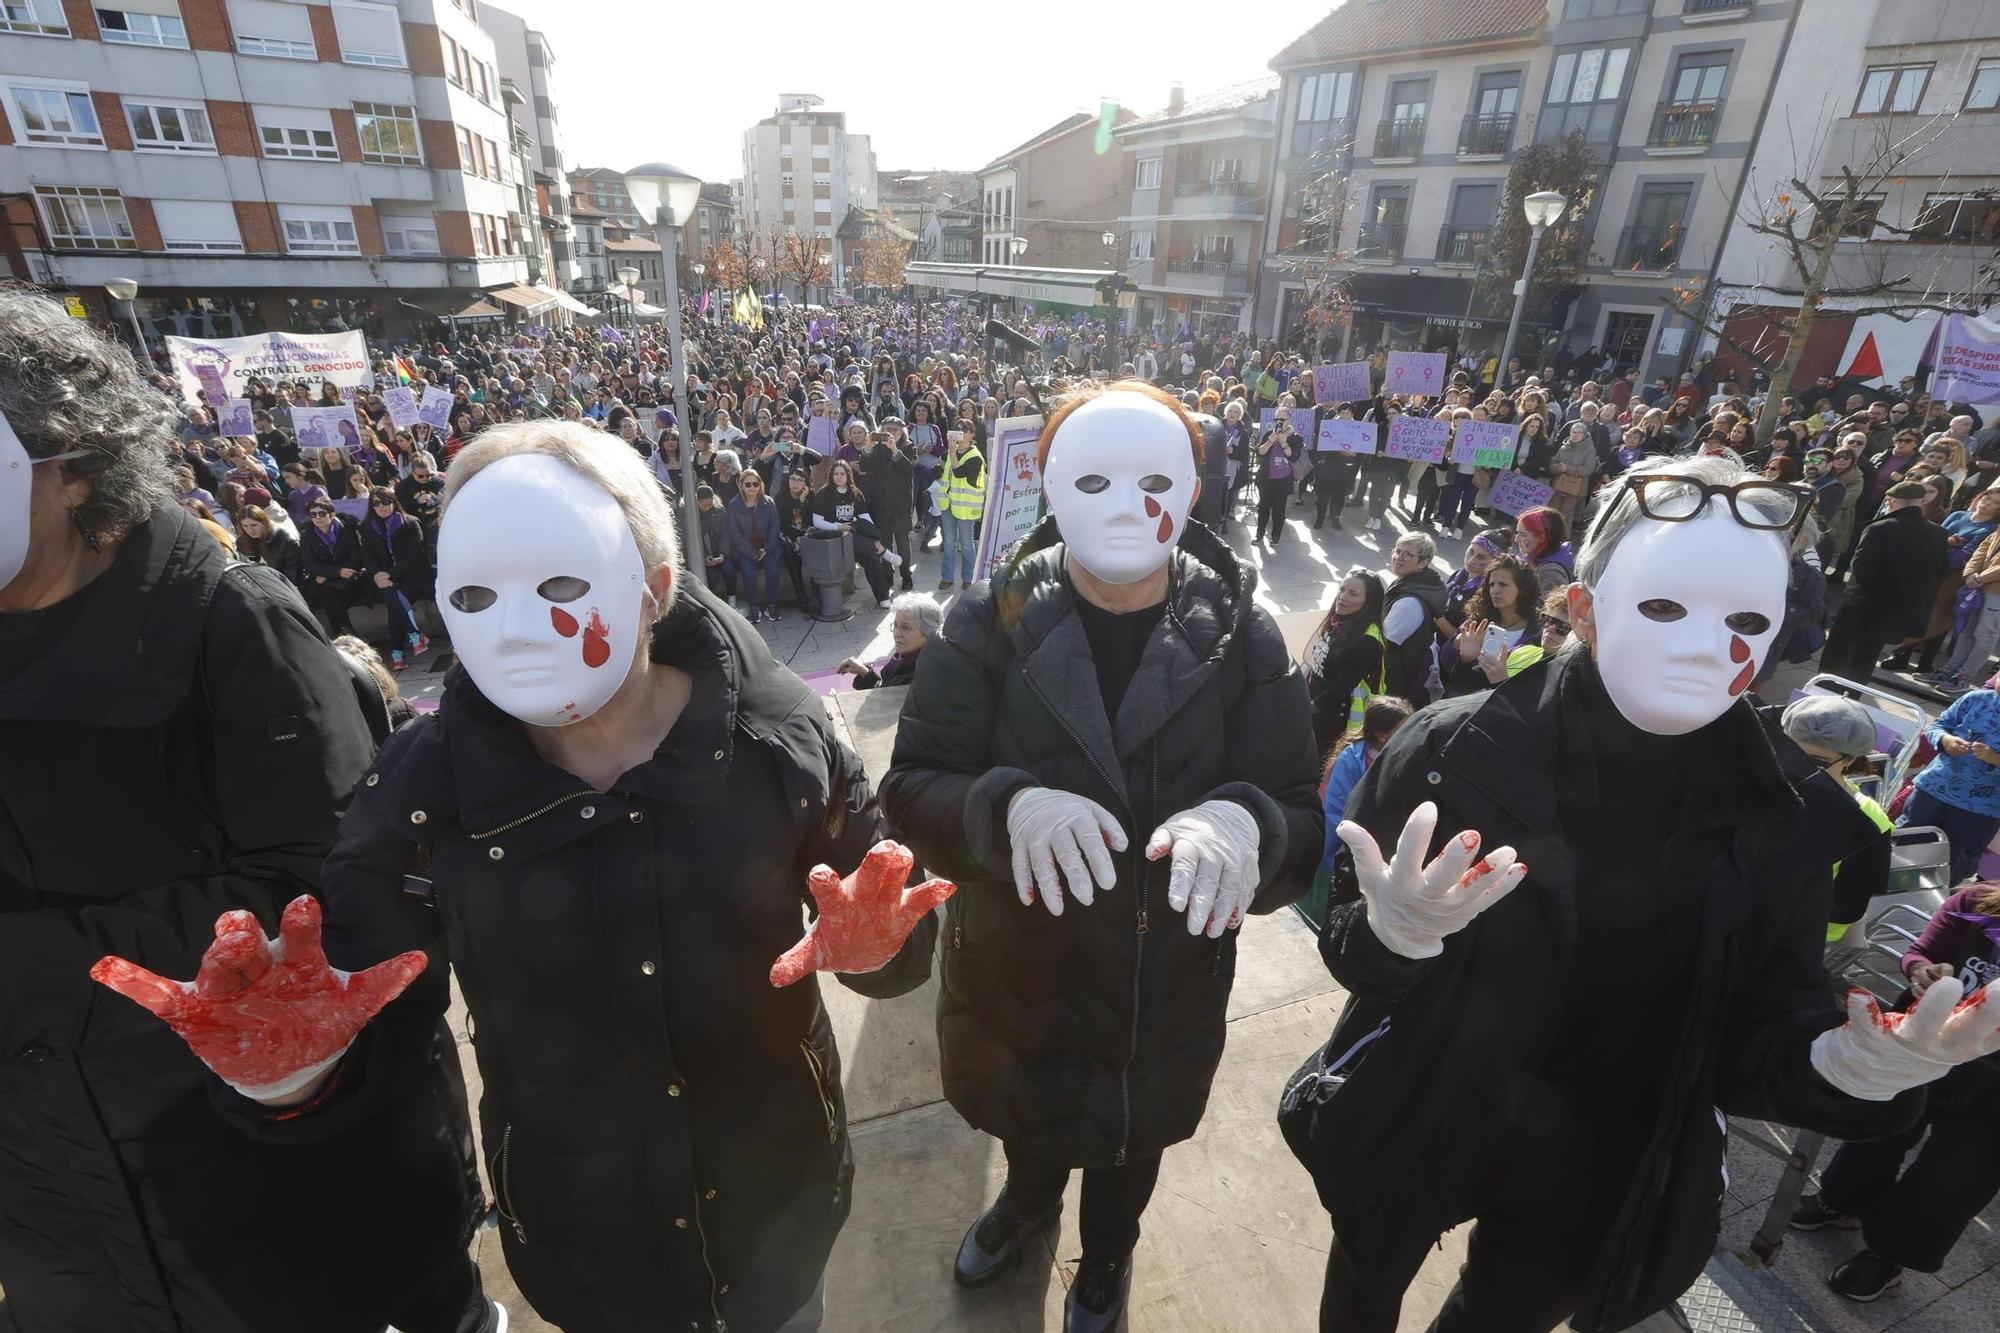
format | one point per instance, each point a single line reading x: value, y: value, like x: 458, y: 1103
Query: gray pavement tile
x: 1808, y: 1256
x: 1972, y: 1308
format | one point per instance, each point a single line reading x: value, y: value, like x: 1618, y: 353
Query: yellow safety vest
x: 1358, y: 709
x: 965, y: 499
x: 1880, y: 817
x: 1523, y: 657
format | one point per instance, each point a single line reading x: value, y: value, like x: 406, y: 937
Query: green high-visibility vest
x: 965, y: 499
x: 1880, y: 817
x: 1358, y: 709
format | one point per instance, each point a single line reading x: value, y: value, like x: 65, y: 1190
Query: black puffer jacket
x: 664, y: 1129
x: 1092, y: 1037
x: 178, y: 750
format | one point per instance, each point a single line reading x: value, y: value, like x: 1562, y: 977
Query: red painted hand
x: 262, y: 1012
x: 863, y: 919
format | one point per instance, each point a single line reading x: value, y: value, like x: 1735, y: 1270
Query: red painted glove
x: 863, y: 919
x: 268, y: 1016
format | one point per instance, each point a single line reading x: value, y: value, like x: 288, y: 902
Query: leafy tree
x: 1569, y: 166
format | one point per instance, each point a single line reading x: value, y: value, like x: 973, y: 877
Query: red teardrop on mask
x: 596, y: 641
x: 1739, y: 651
x: 1152, y: 507
x: 564, y: 622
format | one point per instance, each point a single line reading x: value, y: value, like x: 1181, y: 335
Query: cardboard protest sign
x: 822, y: 436
x: 435, y: 409
x: 326, y: 428
x: 236, y: 417
x: 1489, y: 443
x: 1419, y: 439
x: 1341, y: 382
x: 1515, y: 494
x: 1346, y: 437
x: 401, y: 405
x: 1415, y: 372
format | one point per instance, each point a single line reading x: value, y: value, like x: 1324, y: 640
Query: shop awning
x: 454, y: 305
x: 528, y: 299
x: 568, y: 302
x: 626, y: 305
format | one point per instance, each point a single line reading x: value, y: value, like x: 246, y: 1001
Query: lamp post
x: 1544, y: 209
x: 699, y: 270
x: 630, y: 275
x: 1117, y: 316
x: 666, y: 195
x: 127, y: 290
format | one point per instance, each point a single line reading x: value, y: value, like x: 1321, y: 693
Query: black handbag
x: 1314, y: 1084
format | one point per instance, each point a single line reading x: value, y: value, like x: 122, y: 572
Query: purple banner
x: 1341, y: 382
x: 1515, y: 494
x: 1419, y: 439
x: 1346, y: 437
x: 236, y: 417
x: 1415, y: 372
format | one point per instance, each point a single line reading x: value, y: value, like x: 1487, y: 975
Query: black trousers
x: 1549, y: 1192
x: 1331, y: 487
x: 1915, y: 1219
x: 455, y: 1304
x: 1113, y: 1198
x: 1271, y: 497
x: 1854, y: 644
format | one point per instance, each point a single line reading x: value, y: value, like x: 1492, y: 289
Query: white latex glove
x: 1413, y: 906
x: 1051, y: 829
x: 1214, y: 872
x: 1877, y: 1055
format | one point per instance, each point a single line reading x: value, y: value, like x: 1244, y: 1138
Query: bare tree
x: 802, y: 260
x: 1309, y: 252
x: 1805, y: 218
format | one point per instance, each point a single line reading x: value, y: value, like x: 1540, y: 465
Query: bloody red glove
x: 863, y: 919
x: 268, y: 1016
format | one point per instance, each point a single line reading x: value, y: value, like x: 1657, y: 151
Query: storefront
x: 1399, y: 312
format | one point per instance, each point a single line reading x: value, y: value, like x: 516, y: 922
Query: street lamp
x: 699, y: 270
x: 1110, y: 239
x: 1019, y: 245
x: 666, y: 196
x: 127, y: 290
x: 629, y: 275
x: 1543, y: 209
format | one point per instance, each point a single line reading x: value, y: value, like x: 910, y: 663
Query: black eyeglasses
x: 320, y: 513
x: 1768, y: 506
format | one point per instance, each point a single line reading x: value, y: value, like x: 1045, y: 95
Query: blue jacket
x: 1967, y: 781
x: 751, y: 530
x: 1341, y: 780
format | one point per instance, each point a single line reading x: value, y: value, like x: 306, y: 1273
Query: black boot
x: 993, y: 1243
x: 1096, y: 1302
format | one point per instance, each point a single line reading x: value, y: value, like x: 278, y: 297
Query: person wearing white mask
x: 1108, y: 749
x: 1618, y: 945
x: 663, y: 1115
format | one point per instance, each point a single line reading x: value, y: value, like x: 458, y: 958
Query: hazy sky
x: 945, y: 83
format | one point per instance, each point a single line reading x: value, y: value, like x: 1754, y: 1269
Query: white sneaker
x: 883, y: 603
x: 892, y: 560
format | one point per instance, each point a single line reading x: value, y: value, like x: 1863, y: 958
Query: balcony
x: 1234, y: 189
x: 1221, y: 276
x: 1699, y: 9
x: 1218, y: 199
x: 1461, y: 245
x: 1683, y: 125
x: 1486, y: 136
x: 1650, y: 249
x: 1399, y: 140
x: 1380, y: 241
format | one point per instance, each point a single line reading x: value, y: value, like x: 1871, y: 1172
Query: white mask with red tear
x: 1120, y: 479
x: 542, y: 589
x: 1684, y: 614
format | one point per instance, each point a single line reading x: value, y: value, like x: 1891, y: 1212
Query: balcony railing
x: 1234, y: 189
x: 1380, y: 240
x: 1399, y: 138
x: 1650, y: 249
x: 1683, y: 124
x: 1461, y: 245
x: 1486, y: 136
x: 1711, y: 6
x: 1186, y: 264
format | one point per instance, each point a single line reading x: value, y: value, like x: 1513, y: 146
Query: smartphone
x: 1495, y: 645
x: 954, y: 436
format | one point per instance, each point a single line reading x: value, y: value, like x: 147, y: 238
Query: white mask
x: 542, y: 589
x: 1670, y: 674
x: 17, y: 493
x: 1132, y: 456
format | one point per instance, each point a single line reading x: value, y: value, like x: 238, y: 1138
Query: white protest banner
x: 1967, y: 361
x: 435, y: 409
x: 313, y: 359
x: 1415, y: 372
x: 1419, y: 439
x: 236, y: 417
x: 1486, y: 443
x: 326, y: 428
x: 402, y: 406
x: 1515, y: 494
x: 1346, y: 437
x: 1341, y: 382
x: 1013, y: 490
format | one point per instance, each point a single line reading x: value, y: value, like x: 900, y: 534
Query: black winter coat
x: 180, y: 752
x: 1437, y: 1049
x: 401, y: 556
x: 317, y: 561
x: 665, y: 1131
x: 886, y: 479
x: 1092, y: 1037
x: 1894, y: 575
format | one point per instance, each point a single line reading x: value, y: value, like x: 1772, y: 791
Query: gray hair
x: 1419, y: 542
x: 1829, y: 722
x: 606, y: 462
x: 930, y: 616
x: 63, y: 387
x: 1621, y: 513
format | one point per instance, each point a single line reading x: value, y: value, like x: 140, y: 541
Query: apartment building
x: 526, y: 58
x: 260, y: 164
x: 941, y: 207
x: 604, y: 189
x: 1399, y: 120
x: 1861, y: 74
x: 803, y: 170
x: 1192, y: 237
x: 1058, y: 193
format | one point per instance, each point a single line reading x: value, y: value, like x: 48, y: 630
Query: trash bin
x: 826, y: 559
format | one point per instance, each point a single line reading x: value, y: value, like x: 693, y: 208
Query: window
x: 78, y: 217
x: 785, y: 183
x: 369, y: 35
x: 34, y: 18
x: 1984, y: 94
x: 822, y: 151
x: 1861, y: 226
x: 264, y: 28
x: 784, y: 152
x: 1699, y: 77
x: 318, y: 231
x: 297, y: 131
x: 57, y: 115
x: 1889, y: 89
x: 1575, y: 10
x: 454, y: 62
x: 1325, y: 97
x: 1007, y: 207
x: 1142, y: 245
x: 1224, y: 170
x: 822, y: 178
x: 1584, y: 88
x: 1653, y: 242
x: 468, y: 152
x: 388, y: 134
x: 132, y: 29
x: 198, y: 226
x: 162, y: 127
x: 410, y: 236
x: 1959, y: 219
x: 1149, y: 174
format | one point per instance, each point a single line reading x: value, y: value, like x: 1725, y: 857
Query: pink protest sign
x: 1415, y: 372
x: 1419, y: 439
x: 1346, y: 437
x: 1341, y: 382
x: 1515, y: 494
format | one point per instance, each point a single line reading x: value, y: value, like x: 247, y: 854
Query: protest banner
x: 401, y: 405
x: 236, y: 417
x: 213, y: 390
x: 1514, y: 494
x: 1013, y: 490
x: 326, y: 428
x: 1418, y: 439
x: 312, y: 359
x: 1415, y: 372
x: 1484, y: 444
x: 1266, y: 418
x: 435, y: 409
x: 1346, y: 437
x: 1967, y: 358
x: 1341, y: 382
x: 822, y: 436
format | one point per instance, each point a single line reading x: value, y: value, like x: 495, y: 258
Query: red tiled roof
x: 1373, y: 27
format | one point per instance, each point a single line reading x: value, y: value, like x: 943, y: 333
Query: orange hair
x: 1089, y: 391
